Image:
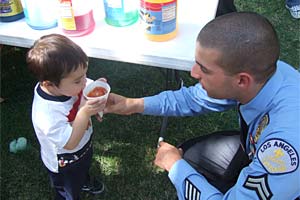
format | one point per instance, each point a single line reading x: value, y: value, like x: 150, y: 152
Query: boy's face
x: 73, y: 83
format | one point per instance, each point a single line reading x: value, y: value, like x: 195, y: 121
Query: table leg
x: 172, y: 76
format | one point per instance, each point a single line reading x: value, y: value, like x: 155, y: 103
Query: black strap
x: 244, y: 129
x: 225, y: 6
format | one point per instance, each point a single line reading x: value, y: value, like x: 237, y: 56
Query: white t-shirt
x: 52, y: 117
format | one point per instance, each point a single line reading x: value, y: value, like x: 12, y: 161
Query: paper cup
x: 95, y: 88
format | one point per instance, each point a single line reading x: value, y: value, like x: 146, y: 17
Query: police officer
x: 236, y: 63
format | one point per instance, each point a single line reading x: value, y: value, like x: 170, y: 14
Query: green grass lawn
x: 124, y: 146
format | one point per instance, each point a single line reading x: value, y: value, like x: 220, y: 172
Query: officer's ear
x: 244, y: 80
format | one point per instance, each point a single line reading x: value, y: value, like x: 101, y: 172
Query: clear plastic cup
x: 94, y: 91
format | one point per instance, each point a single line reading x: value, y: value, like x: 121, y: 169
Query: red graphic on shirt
x: 71, y: 116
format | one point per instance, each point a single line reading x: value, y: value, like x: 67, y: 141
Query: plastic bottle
x: 121, y: 12
x: 39, y: 14
x: 159, y: 19
x: 76, y: 17
x: 11, y: 10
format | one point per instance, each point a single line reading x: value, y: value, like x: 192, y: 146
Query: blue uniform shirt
x: 273, y: 141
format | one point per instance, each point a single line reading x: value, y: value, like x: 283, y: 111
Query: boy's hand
x: 93, y: 106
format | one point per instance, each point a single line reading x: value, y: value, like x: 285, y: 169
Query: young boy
x: 61, y: 116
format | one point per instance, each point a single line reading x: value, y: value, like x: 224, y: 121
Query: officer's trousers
x: 218, y: 156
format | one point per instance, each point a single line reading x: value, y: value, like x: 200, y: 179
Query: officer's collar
x: 260, y: 102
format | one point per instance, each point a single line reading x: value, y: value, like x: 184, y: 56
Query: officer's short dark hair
x: 247, y: 42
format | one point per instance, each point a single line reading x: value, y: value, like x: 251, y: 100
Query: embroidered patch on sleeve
x: 260, y: 185
x: 278, y: 156
x: 191, y: 191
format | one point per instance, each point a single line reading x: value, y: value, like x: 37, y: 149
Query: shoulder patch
x: 191, y: 191
x: 263, y: 123
x: 260, y: 185
x: 278, y: 156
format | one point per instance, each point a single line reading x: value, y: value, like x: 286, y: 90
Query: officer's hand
x: 167, y: 155
x: 121, y: 105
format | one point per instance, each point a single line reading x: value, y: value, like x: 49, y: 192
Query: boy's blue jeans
x: 70, y: 179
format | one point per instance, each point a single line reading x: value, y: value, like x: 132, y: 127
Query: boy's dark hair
x: 53, y: 57
x: 247, y: 42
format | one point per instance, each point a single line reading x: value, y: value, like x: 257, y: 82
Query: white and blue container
x: 41, y: 14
